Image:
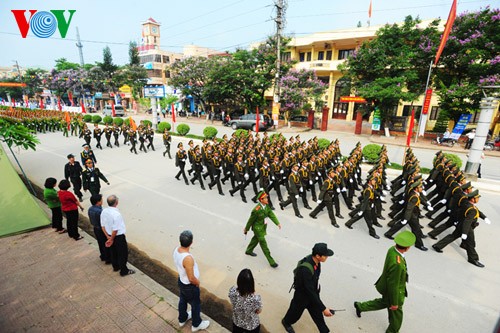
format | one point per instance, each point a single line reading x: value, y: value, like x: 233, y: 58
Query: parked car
x: 249, y: 121
x: 299, y: 118
x: 119, y: 110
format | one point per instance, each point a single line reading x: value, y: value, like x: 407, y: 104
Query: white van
x: 119, y: 110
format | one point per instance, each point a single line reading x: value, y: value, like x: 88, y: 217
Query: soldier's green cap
x: 466, y: 186
x: 419, y: 176
x: 415, y: 184
x: 261, y: 195
x: 474, y: 194
x: 190, y: 142
x: 439, y: 152
x: 331, y: 170
x: 405, y: 238
x: 179, y: 144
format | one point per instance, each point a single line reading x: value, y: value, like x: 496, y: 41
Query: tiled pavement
x: 51, y: 283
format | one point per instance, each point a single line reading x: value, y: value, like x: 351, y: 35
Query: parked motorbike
x: 444, y: 142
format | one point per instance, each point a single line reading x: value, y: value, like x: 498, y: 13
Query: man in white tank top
x: 189, y: 284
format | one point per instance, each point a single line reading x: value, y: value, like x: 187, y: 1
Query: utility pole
x: 80, y: 47
x: 280, y: 22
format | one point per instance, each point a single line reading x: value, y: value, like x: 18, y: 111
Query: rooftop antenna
x: 80, y: 47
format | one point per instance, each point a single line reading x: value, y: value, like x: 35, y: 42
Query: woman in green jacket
x: 52, y: 200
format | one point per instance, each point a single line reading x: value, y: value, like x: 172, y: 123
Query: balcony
x: 318, y: 65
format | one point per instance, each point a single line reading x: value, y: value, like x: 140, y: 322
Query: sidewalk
x: 51, y: 283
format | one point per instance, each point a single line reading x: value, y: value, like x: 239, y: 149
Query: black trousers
x: 292, y: 200
x: 182, y: 172
x: 72, y: 223
x: 469, y: 243
x: 101, y: 241
x: 329, y: 206
x: 119, y: 254
x: 297, y: 306
x: 57, y: 218
x: 237, y: 329
x: 77, y: 186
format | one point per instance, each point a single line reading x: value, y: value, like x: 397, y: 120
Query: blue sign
x: 460, y: 126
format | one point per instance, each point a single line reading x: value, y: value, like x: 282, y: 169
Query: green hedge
x: 183, y: 129
x: 108, y: 120
x: 323, y: 143
x: 164, y: 126
x: 147, y: 122
x: 87, y: 118
x: 241, y: 132
x: 275, y: 136
x: 210, y: 132
x: 126, y: 121
x: 457, y: 160
x: 119, y: 121
x: 96, y: 118
x: 371, y: 153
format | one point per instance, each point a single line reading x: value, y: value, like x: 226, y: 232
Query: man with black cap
x: 87, y: 154
x: 465, y: 230
x: 73, y: 172
x: 306, y: 295
x: 392, y: 283
x: 257, y: 222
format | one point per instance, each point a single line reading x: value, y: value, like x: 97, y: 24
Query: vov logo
x: 43, y: 24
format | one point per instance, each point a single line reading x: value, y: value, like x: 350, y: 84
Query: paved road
x: 446, y: 294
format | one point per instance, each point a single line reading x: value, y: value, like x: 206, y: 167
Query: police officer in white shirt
x: 113, y: 227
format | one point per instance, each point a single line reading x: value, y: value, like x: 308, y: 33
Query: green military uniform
x: 257, y: 223
x: 391, y: 284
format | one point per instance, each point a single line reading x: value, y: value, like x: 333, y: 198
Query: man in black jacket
x: 306, y: 296
x: 73, y: 173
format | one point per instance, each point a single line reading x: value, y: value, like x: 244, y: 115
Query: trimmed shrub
x: 183, y: 129
x: 108, y: 120
x: 371, y: 153
x: 119, y: 121
x: 241, y: 132
x: 147, y: 122
x: 210, y: 132
x: 126, y: 121
x: 457, y: 160
x: 164, y: 126
x: 96, y: 118
x: 275, y: 136
x: 323, y: 143
x: 87, y: 118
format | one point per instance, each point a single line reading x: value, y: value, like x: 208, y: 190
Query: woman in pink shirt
x: 69, y: 205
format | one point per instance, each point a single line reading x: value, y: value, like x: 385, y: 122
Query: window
x: 154, y: 40
x: 344, y: 54
x: 407, y: 110
x: 146, y: 58
x: 434, y: 113
x: 328, y: 55
x: 167, y: 74
x: 302, y: 56
x: 324, y: 79
x: 166, y: 59
x: 309, y: 56
x: 321, y: 55
x: 157, y: 58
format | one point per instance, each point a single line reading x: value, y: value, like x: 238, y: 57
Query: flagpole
x: 423, y: 117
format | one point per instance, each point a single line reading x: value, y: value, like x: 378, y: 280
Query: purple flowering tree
x: 470, y: 60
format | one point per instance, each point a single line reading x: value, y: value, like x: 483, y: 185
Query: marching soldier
x: 216, y: 166
x: 97, y: 135
x: 90, y: 178
x: 167, y: 139
x: 325, y: 198
x: 87, y: 153
x: 197, y: 166
x: 142, y: 138
x: 305, y: 179
x: 365, y: 209
x: 116, y: 134
x: 180, y: 161
x: 86, y: 134
x: 132, y: 137
x: 108, y: 131
x: 293, y: 194
x: 150, y: 135
x: 241, y: 175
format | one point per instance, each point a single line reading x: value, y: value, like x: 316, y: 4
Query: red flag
x: 370, y: 10
x: 447, y: 30
x: 133, y: 125
x: 41, y: 104
x: 173, y: 113
x: 410, y: 130
x: 70, y: 96
x: 113, y: 108
x: 67, y: 118
x: 257, y: 120
x: 59, y: 106
x: 83, y: 106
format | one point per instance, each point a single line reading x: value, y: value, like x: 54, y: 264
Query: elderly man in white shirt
x: 113, y: 227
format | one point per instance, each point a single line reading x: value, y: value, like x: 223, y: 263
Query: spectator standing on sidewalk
x: 53, y: 202
x: 69, y: 205
x: 189, y: 283
x: 95, y: 219
x: 470, y: 138
x: 114, y: 229
x: 246, y: 304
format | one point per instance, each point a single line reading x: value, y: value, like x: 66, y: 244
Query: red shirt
x: 68, y: 201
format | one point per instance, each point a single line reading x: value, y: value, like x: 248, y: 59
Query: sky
x: 223, y: 25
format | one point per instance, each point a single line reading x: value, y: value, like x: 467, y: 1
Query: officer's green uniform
x: 392, y: 284
x: 256, y: 222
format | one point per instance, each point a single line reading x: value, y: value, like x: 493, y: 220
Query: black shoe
x: 231, y: 192
x: 431, y: 236
x: 272, y: 207
x: 375, y: 236
x: 192, y: 182
x: 314, y: 217
x: 281, y: 206
x: 251, y: 254
x: 308, y: 207
x: 437, y: 249
x: 476, y: 263
x: 203, y: 188
x: 335, y: 225
x: 299, y: 216
x: 388, y: 236
x: 430, y: 225
x: 274, y: 265
x: 358, y: 311
x: 287, y: 327
x: 424, y: 236
x: 421, y: 248
x: 348, y: 225
x: 175, y: 176
x: 377, y: 224
x: 380, y: 217
x: 221, y: 193
x: 244, y: 200
x: 339, y: 216
x: 187, y: 183
x: 210, y: 187
x: 429, y: 215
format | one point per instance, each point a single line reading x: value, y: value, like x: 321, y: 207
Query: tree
x: 298, y: 88
x: 133, y: 54
x: 33, y: 77
x: 13, y: 92
x: 63, y: 64
x: 14, y: 134
x: 114, y: 78
x: 471, y: 59
x: 393, y: 67
x: 107, y: 62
